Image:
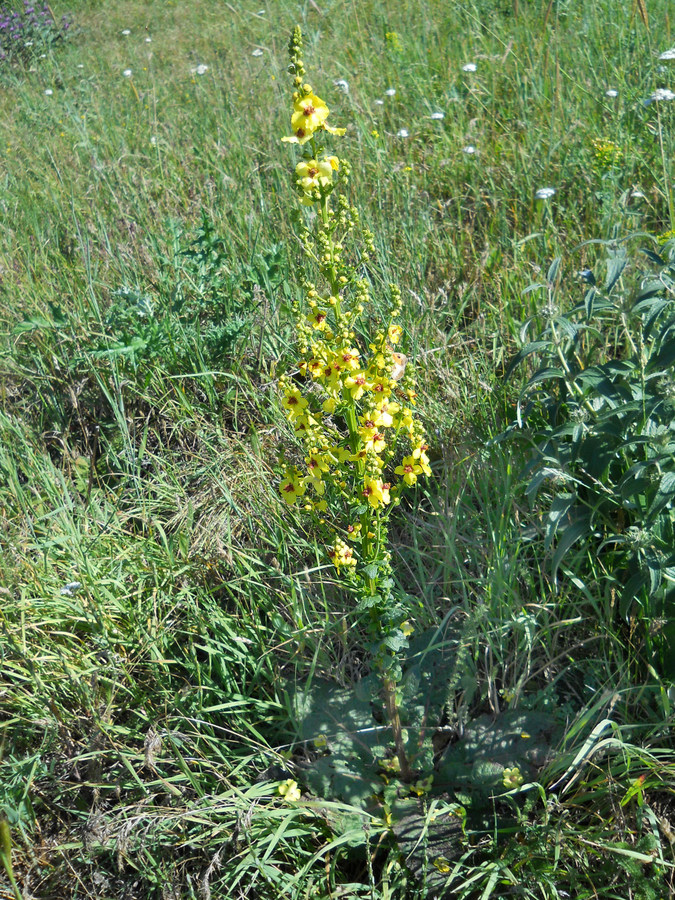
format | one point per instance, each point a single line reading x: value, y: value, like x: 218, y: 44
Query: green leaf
x: 615, y: 267
x: 664, y: 495
x: 569, y: 537
x: 524, y: 352
x: 553, y: 270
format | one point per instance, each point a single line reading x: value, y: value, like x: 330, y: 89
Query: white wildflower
x: 342, y: 85
x: 390, y: 92
x: 126, y: 31
x: 438, y: 115
x: 668, y: 54
x: 201, y: 69
x: 545, y: 193
x: 128, y: 73
x: 611, y: 93
x: 662, y: 94
x: 469, y: 67
x: 48, y: 92
x: 403, y: 133
x: 257, y: 52
x: 470, y: 149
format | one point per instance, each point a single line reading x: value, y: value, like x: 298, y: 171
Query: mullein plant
x: 351, y: 399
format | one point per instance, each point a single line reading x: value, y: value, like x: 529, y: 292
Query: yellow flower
x: 312, y: 174
x: 312, y: 367
x: 512, y: 778
x: 368, y: 429
x: 316, y: 465
x: 384, y: 413
x: 405, y: 420
x: 348, y: 359
x: 329, y: 404
x: 309, y: 114
x: 317, y: 319
x: 423, y: 786
x: 419, y: 453
x: 331, y: 376
x: 292, y: 487
x: 294, y: 403
x: 354, y: 532
x: 357, y: 384
x: 376, y: 492
x: 407, y: 628
x: 394, y: 333
x: 382, y: 386
x: 409, y: 469
x: 289, y: 790
x: 337, y: 131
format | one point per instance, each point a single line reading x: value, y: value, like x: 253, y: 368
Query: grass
x: 147, y: 266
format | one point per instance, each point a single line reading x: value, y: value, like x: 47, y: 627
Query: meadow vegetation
x: 192, y: 704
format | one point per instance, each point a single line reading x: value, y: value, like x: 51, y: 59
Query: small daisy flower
x: 469, y: 149
x: 611, y: 93
x: 342, y: 85
x: 402, y: 133
x: 379, y: 103
x: 201, y: 69
x: 48, y: 92
x: 148, y: 40
x: 545, y: 193
x: 257, y: 52
x: 668, y: 54
x: 438, y: 115
x: 637, y: 195
x: 127, y: 73
x: 390, y: 92
x: 126, y: 31
x: 80, y: 65
x: 469, y: 67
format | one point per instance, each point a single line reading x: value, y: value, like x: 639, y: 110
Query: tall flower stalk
x: 351, y: 399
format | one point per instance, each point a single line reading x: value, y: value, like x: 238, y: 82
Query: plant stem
x: 395, y: 721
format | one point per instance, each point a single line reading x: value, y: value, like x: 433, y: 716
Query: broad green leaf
x: 615, y: 267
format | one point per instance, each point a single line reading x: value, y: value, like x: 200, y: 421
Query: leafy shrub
x: 197, y: 312
x: 28, y: 31
x: 599, y: 410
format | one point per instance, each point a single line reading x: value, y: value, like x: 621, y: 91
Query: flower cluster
x: 309, y: 111
x: 606, y: 155
x: 351, y: 402
x: 25, y: 33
